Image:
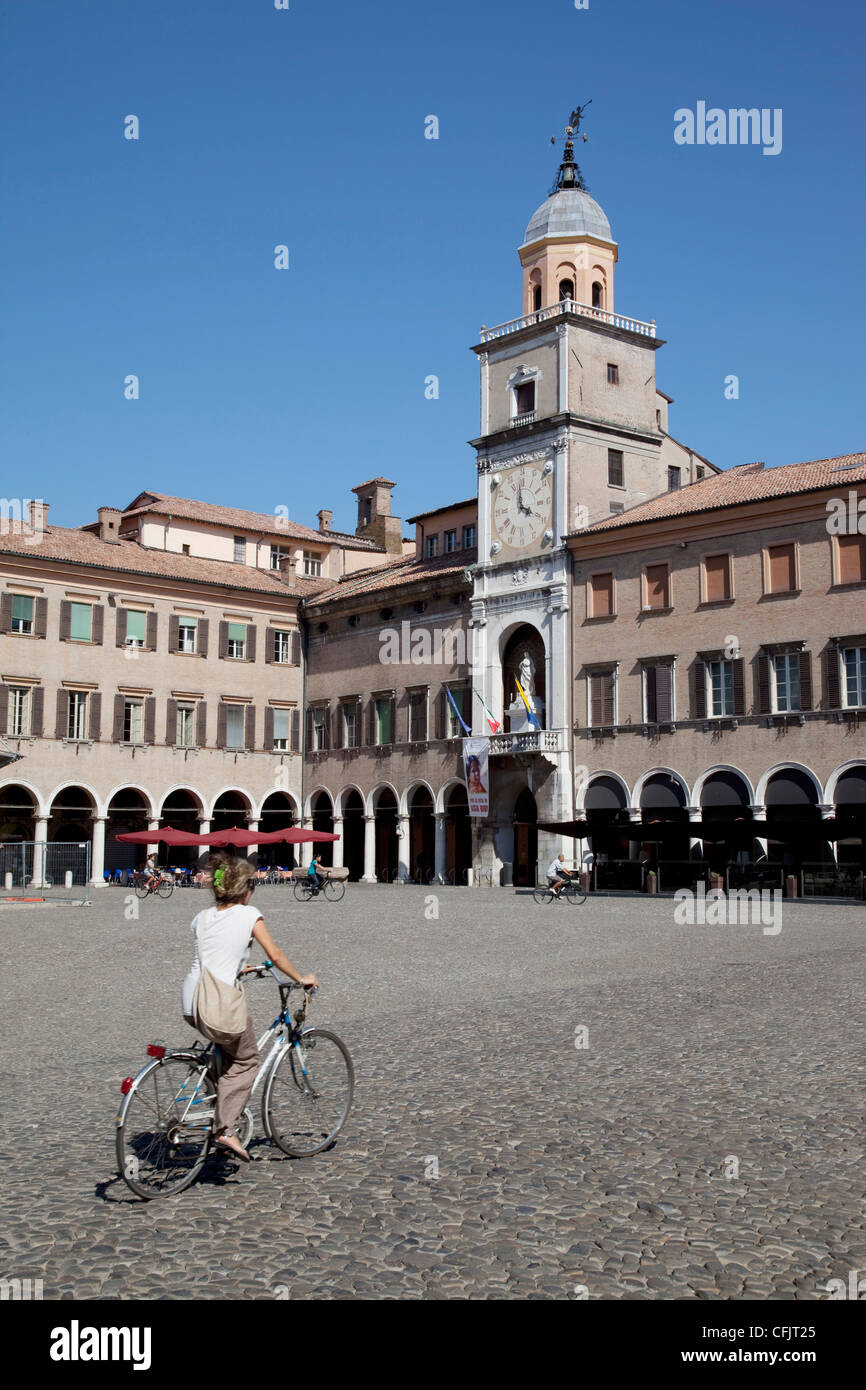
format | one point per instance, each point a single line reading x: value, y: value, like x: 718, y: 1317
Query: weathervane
x: 569, y: 175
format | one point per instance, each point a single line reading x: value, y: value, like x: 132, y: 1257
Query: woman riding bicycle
x: 228, y: 930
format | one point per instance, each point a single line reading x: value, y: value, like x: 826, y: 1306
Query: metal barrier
x: 37, y: 868
x: 831, y: 881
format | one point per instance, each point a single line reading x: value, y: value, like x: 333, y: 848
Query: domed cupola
x: 568, y: 252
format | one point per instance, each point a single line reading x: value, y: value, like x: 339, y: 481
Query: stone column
x: 253, y: 850
x: 439, y: 862
x: 338, y: 844
x: 369, y: 850
x: 404, y: 842
x: 39, y: 852
x: 204, y: 850
x: 306, y: 849
x: 694, y: 814
x: 97, y: 858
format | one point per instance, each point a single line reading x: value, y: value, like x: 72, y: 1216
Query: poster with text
x: 475, y: 752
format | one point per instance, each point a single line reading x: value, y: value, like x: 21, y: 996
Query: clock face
x: 522, y: 507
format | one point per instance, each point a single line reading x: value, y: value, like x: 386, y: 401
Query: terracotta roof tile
x: 163, y: 504
x: 396, y: 575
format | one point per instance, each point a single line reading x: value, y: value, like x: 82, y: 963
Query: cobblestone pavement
x: 706, y: 1143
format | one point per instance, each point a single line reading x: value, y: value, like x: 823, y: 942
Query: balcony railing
x: 536, y: 741
x: 569, y: 306
x: 526, y: 418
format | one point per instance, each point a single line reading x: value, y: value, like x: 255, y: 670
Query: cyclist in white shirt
x: 558, y: 875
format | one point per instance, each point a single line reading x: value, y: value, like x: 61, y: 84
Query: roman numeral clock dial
x: 522, y: 507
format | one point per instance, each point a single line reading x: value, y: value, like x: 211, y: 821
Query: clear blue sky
x: 306, y: 127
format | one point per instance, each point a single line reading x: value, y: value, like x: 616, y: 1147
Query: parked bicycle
x: 146, y: 883
x: 333, y: 889
x: 571, y: 892
x: 165, y: 1124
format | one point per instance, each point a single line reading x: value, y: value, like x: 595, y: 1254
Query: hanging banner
x: 475, y: 752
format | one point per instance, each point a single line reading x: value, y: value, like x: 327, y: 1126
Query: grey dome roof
x: 571, y: 213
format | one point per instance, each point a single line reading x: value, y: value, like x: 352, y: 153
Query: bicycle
x: 145, y: 884
x: 572, y: 892
x: 165, y: 1125
x: 333, y: 889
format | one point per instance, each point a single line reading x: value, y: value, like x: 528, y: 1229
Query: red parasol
x: 168, y: 835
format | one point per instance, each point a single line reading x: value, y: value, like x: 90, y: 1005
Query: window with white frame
x: 431, y: 547
x: 234, y: 726
x: 240, y: 550
x: 468, y: 537
x: 312, y: 564
x: 450, y: 541
x: 320, y: 728
x: 785, y: 668
x: 187, y: 632
x: 237, y: 640
x: 185, y: 734
x: 282, y: 647
x: 278, y: 553
x: 18, y: 721
x: 720, y: 688
x: 76, y: 721
x: 133, y: 720
x: 854, y: 666
x: 350, y: 724
x: 22, y: 614
x: 136, y: 627
x: 281, y: 730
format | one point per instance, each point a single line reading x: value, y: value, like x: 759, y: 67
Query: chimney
x: 37, y: 514
x: 375, y: 522
x: 288, y: 570
x: 109, y: 524
x: 324, y: 519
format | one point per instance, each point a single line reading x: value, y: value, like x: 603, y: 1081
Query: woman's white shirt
x: 227, y: 937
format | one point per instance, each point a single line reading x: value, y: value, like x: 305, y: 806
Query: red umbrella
x: 168, y: 835
x: 293, y: 835
x: 237, y: 835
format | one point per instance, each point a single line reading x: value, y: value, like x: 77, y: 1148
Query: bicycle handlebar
x: 267, y: 968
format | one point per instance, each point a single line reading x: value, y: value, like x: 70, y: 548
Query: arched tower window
x: 597, y: 295
x: 566, y: 289
x: 536, y: 297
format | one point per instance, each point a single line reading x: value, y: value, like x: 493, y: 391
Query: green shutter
x: 80, y: 622
x: 136, y: 626
x: 22, y: 608
x: 237, y: 632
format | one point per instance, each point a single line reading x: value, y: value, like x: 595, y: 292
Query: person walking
x: 227, y: 930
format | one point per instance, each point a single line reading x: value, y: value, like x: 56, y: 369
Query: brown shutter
x: 717, y: 578
x: 173, y: 632
x: 652, y: 712
x: 269, y: 727
x: 152, y: 631
x: 171, y: 722
x: 37, y: 709
x: 117, y: 730
x: 442, y: 714
x: 95, y: 715
x: 250, y: 725
x: 338, y: 730
x: 270, y: 637
x: 805, y: 680
x: 601, y: 596
x: 699, y: 709
x: 296, y: 731
x: 202, y: 636
x: 201, y: 724
x: 309, y: 729
x: 657, y: 586
x: 224, y: 639
x: 296, y: 649
x: 371, y: 722
x: 65, y: 619
x: 780, y: 562
x: 41, y: 625
x: 150, y: 719
x: 61, y: 721
x: 739, y: 685
x: 251, y: 642
x: 221, y: 725
x: 6, y: 613
x: 852, y: 559
x: 4, y: 708
x: 831, y: 667
x: 393, y: 704
x: 98, y: 623
x: 762, y: 668
x: 326, y: 728
x: 664, y: 693
x: 120, y: 628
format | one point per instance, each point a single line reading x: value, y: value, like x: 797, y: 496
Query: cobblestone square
x: 705, y: 1143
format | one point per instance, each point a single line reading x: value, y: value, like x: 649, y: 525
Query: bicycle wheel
x: 304, y: 1113
x: 335, y: 888
x: 165, y: 887
x: 164, y: 1126
x: 141, y: 888
x: 302, y: 890
x: 575, y: 894
x: 542, y: 894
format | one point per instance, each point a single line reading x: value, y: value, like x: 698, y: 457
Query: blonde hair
x: 231, y: 878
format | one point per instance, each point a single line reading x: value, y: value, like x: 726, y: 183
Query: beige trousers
x: 237, y: 1074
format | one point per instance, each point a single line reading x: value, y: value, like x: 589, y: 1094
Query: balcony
x: 536, y: 741
x: 568, y: 306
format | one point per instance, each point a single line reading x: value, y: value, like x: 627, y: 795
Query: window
x: 617, y: 508
x: 566, y: 290
x: 721, y: 688
x: 282, y: 647
x: 237, y: 640
x: 781, y: 569
x: 431, y: 547
x: 76, y: 721
x: 22, y: 615
x: 463, y: 701
x: 601, y: 698
x: 133, y: 721
x: 601, y: 595
x: 524, y: 398
x: 615, y: 471
x: 854, y: 663
x: 536, y: 297
x: 673, y: 479
x: 240, y: 554
x: 450, y: 541
x: 597, y: 295
x: 80, y: 624
x: 699, y: 471
x: 187, y: 631
x: 785, y: 668
x: 658, y: 419
x: 417, y: 716
x: 320, y: 728
x: 184, y: 550
x: 278, y: 553
x: 350, y: 724
x: 658, y: 693
x: 383, y: 722
x: 717, y: 578
x: 234, y: 726
x: 136, y: 628
x: 312, y: 564
x: 468, y: 537
x: 18, y: 721
x: 612, y: 374
x: 281, y: 730
x: 656, y: 587
x: 185, y: 733
x: 852, y: 560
